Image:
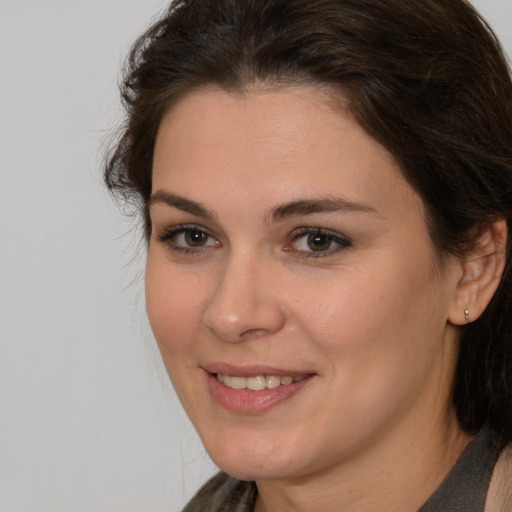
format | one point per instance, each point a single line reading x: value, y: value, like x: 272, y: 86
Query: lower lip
x: 253, y: 402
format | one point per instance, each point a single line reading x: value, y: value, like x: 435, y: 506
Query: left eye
x: 318, y: 242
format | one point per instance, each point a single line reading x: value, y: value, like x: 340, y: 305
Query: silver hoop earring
x: 466, y: 315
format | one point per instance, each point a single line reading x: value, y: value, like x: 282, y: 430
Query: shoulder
x: 499, y: 496
x: 223, y: 493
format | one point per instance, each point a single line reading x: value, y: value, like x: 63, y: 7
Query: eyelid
x: 342, y: 242
x: 168, y: 234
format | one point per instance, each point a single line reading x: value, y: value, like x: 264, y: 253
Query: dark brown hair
x: 426, y: 78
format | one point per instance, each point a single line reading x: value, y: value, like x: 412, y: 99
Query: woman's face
x: 289, y: 259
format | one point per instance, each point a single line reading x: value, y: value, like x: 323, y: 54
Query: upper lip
x: 252, y: 370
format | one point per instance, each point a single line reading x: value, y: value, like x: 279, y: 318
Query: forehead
x: 291, y: 142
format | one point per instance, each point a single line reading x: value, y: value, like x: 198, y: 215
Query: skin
x: 371, y: 316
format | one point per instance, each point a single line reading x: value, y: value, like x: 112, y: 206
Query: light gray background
x: 88, y: 421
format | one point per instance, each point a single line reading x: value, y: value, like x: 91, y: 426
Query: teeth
x: 273, y: 381
x: 238, y: 382
x: 258, y: 382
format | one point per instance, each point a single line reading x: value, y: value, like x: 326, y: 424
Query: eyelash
x: 168, y: 238
x: 332, y: 237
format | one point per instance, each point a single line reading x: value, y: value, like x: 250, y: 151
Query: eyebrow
x: 298, y: 208
x: 181, y: 203
x: 304, y: 207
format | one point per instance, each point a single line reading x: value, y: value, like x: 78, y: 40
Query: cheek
x: 382, y: 320
x: 173, y: 303
x: 377, y: 361
x: 350, y: 308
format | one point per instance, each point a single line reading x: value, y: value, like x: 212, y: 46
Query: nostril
x: 255, y: 333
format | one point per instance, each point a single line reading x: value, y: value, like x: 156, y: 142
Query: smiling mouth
x: 257, y: 382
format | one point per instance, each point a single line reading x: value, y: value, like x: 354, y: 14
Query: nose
x: 244, y: 303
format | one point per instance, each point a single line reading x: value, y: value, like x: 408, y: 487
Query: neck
x: 398, y: 472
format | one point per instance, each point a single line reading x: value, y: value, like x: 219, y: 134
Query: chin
x: 271, y: 469
x: 254, y: 459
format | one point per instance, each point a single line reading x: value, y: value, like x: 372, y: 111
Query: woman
x: 326, y: 188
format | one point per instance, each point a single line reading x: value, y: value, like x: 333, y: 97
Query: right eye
x: 187, y: 238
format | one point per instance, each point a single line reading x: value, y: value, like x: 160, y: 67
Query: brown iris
x: 196, y: 238
x: 318, y: 242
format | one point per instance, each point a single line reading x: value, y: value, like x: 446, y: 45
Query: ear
x: 481, y: 273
